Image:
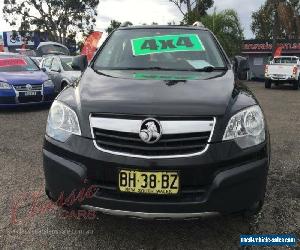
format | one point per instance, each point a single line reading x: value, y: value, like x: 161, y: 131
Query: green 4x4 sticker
x: 168, y: 43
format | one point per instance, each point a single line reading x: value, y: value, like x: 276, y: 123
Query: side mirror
x: 241, y: 66
x: 80, y: 63
x: 44, y: 69
x: 56, y: 70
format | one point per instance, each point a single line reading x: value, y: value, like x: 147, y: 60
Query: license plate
x: 158, y: 183
x: 30, y: 93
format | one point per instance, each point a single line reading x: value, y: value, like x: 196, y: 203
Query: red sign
x: 278, y: 52
x: 1, y: 48
x: 90, y: 45
x: 10, y: 62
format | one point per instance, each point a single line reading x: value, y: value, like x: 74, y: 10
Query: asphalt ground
x: 24, y: 226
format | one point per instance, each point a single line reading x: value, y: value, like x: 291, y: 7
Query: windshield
x: 11, y: 63
x: 66, y: 63
x: 285, y: 60
x: 53, y: 49
x: 169, y: 49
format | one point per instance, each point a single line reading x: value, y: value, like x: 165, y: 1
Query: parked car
x: 51, y: 48
x: 22, y: 82
x: 283, y: 69
x: 158, y: 127
x: 37, y: 60
x: 60, y: 71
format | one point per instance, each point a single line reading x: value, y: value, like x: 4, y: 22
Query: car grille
x: 169, y: 145
x: 187, y: 194
x: 23, y: 88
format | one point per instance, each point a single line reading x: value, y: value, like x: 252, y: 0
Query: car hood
x: 24, y: 77
x: 154, y: 93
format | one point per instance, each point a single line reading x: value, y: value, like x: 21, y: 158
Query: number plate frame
x: 30, y: 93
x: 149, y: 172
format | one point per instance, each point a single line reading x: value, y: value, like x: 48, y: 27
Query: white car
x: 283, y: 69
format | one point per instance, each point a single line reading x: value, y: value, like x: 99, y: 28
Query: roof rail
x: 126, y: 24
x: 198, y: 24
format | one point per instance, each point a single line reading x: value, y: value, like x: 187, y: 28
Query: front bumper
x: 11, y: 99
x: 281, y: 78
x: 225, y: 179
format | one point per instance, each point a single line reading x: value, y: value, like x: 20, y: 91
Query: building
x: 14, y: 41
x: 259, y: 53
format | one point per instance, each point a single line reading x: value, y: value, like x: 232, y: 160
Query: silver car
x: 59, y: 69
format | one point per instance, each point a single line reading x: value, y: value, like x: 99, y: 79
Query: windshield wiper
x: 209, y: 69
x: 140, y: 68
x: 205, y: 69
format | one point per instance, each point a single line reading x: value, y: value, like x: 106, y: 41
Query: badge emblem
x: 150, y: 131
x: 28, y: 87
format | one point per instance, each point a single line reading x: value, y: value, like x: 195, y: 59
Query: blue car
x: 22, y: 82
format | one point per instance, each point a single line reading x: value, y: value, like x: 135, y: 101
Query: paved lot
x: 21, y: 138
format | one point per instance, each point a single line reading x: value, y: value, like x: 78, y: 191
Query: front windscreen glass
x: 285, y: 60
x: 160, y: 49
x: 53, y: 49
x: 11, y: 63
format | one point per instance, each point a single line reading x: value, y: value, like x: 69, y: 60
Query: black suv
x: 158, y: 126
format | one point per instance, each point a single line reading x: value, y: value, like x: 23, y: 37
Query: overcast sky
x: 160, y: 11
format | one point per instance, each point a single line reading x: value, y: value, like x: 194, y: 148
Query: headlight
x: 247, y: 127
x: 62, y: 122
x: 4, y: 85
x: 48, y: 84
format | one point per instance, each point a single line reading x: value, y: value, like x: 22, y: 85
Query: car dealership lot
x: 22, y: 182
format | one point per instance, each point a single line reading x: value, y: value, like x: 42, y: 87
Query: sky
x: 159, y: 11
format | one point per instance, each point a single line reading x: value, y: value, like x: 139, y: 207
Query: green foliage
x: 227, y: 28
x: 61, y: 19
x: 192, y: 10
x: 262, y: 23
x: 277, y: 19
x: 114, y: 24
x: 198, y: 11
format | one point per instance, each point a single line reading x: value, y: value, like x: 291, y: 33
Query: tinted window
x: 177, y: 49
x: 47, y: 62
x: 53, y: 49
x: 55, y: 65
x: 285, y: 60
x: 66, y: 63
x: 12, y: 63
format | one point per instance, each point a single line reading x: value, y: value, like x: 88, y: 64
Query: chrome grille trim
x: 22, y: 88
x: 144, y: 215
x: 133, y: 126
x: 168, y: 128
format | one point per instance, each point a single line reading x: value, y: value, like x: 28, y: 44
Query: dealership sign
x: 15, y: 39
x: 267, y: 46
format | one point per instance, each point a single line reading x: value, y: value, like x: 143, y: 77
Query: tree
x: 277, y: 19
x: 227, y: 28
x: 60, y: 19
x: 192, y: 10
x: 114, y: 24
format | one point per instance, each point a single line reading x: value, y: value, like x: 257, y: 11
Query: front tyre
x: 268, y: 84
